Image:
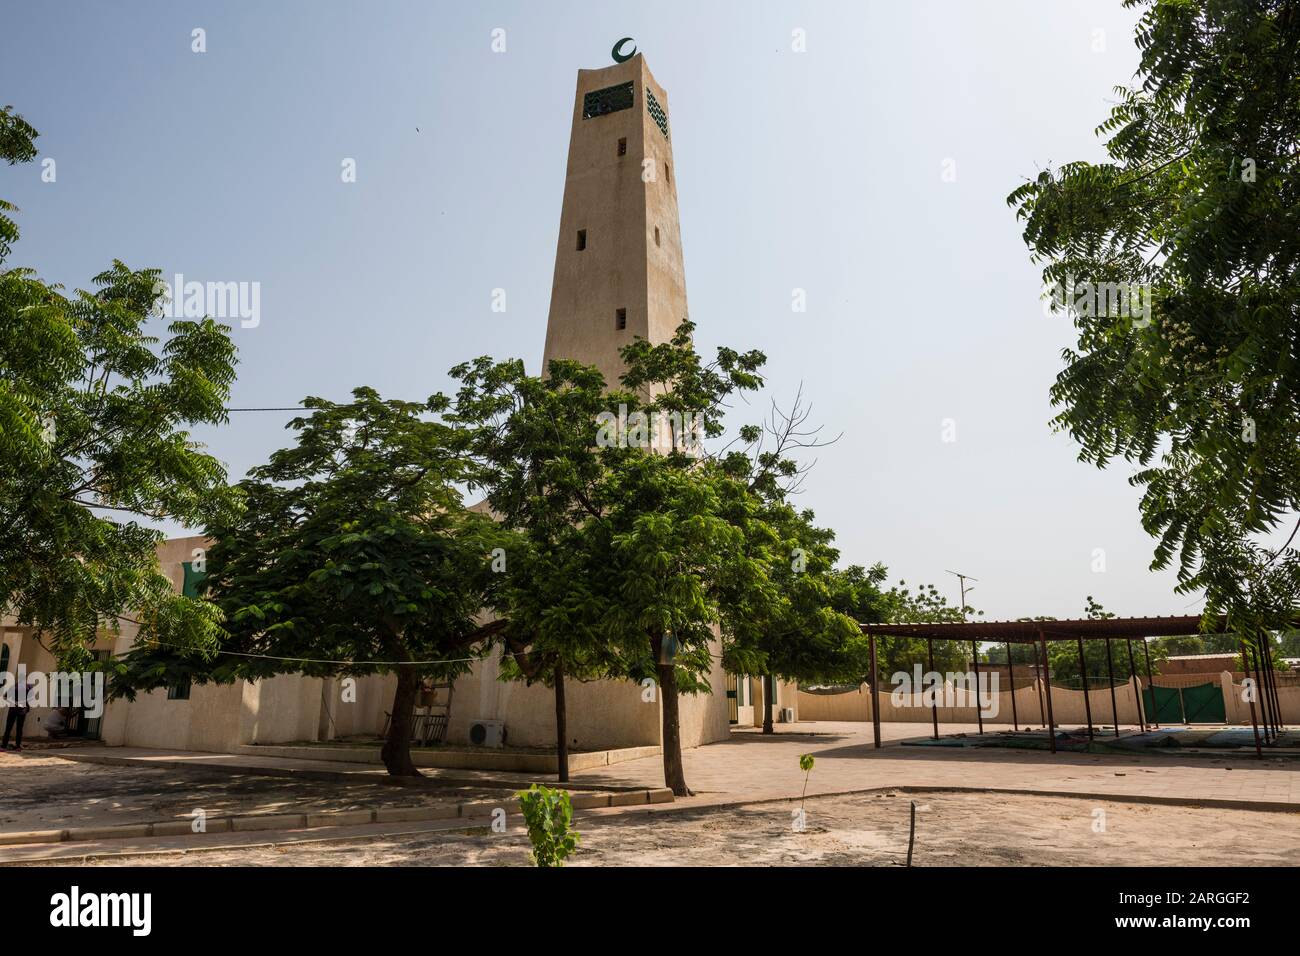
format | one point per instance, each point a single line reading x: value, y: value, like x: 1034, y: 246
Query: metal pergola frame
x: 1038, y: 633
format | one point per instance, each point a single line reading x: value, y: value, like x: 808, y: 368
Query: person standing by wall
x: 17, y: 716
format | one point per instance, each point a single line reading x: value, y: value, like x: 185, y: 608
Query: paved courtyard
x: 751, y: 766
x: 746, y: 781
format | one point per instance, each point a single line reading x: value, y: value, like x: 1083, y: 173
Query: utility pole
x: 974, y: 648
x: 963, y: 578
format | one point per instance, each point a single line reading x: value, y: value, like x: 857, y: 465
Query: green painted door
x: 1203, y: 704
x: 1168, y: 707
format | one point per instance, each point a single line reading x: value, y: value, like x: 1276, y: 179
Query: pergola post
x: 975, y: 660
x: 934, y: 695
x: 1011, y: 679
x: 1266, y: 666
x: 1047, y: 683
x: 1137, y: 685
x: 1083, y: 673
x: 1272, y: 682
x: 875, y: 691
x: 1245, y: 663
x: 1038, y: 685
x: 1146, y: 652
x: 1265, y: 710
x: 1110, y: 672
x: 1252, y: 667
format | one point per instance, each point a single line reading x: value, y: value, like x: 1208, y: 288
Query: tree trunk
x: 769, y: 691
x: 674, y: 772
x: 396, y: 752
x: 561, y: 727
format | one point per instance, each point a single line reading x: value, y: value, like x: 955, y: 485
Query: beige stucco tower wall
x: 623, y: 200
x: 620, y: 251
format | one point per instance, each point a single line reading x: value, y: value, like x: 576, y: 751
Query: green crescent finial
x: 618, y: 55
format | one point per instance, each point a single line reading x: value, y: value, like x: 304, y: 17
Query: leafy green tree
x: 351, y: 555
x: 779, y: 603
x: 925, y: 605
x: 636, y: 547
x: 94, y: 440
x: 807, y: 628
x: 533, y: 439
x: 675, y: 561
x: 1194, y: 219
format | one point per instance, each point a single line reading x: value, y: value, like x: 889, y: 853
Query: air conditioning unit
x: 487, y: 733
x: 786, y: 716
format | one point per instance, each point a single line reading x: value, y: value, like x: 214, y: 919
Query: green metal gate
x: 1168, y: 706
x: 1202, y: 704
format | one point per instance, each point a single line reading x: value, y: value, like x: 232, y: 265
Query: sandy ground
x: 864, y: 830
x: 39, y: 792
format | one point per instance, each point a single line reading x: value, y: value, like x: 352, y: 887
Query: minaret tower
x: 618, y: 263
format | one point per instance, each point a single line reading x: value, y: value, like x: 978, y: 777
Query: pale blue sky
x: 818, y: 170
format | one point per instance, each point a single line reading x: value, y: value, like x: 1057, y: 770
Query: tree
x: 94, y: 419
x: 638, y: 548
x: 925, y: 605
x: 675, y: 561
x: 1176, y: 260
x: 351, y: 555
x: 533, y: 439
x: 779, y: 604
x: 807, y: 629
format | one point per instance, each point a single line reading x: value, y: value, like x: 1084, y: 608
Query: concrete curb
x: 483, y: 760
x: 1202, y: 803
x: 322, y: 819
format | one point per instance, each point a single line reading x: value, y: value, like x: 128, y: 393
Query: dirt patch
x: 865, y: 830
x: 39, y: 792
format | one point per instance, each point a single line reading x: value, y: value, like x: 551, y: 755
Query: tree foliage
x: 1198, y: 203
x: 643, y: 555
x: 95, y: 413
x: 351, y: 554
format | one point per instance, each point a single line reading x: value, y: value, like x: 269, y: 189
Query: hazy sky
x: 820, y: 170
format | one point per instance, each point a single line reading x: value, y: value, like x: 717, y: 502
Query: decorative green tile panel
x: 609, y: 100
x: 656, y: 112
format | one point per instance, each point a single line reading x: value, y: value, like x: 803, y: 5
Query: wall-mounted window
x: 668, y: 174
x: 622, y: 146
x: 620, y: 319
x: 582, y: 239
x: 656, y: 235
x: 609, y: 100
x: 180, y: 690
